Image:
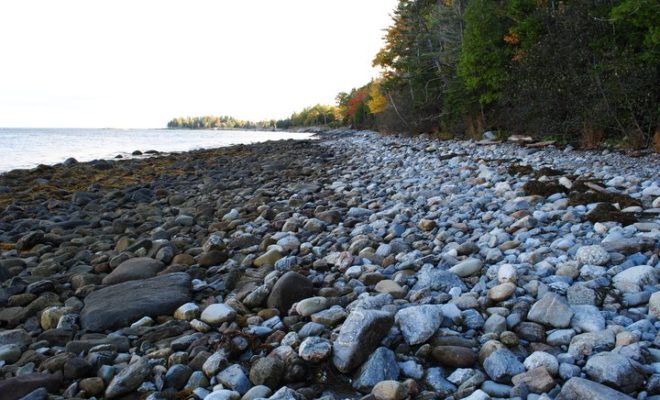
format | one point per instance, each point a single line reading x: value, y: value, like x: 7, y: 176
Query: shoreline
x: 325, y: 267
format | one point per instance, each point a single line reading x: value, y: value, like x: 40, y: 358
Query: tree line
x: 584, y: 72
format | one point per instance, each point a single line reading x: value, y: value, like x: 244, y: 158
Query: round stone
x: 542, y: 359
x: 592, y: 255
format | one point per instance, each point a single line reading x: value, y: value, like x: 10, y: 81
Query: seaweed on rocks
x: 605, y: 212
x: 544, y: 189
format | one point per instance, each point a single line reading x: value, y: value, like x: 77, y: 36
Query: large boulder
x: 134, y: 269
x: 118, y: 305
x: 358, y: 337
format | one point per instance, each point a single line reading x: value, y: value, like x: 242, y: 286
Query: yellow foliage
x: 377, y: 102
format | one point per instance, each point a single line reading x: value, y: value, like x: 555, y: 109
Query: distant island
x: 219, y: 122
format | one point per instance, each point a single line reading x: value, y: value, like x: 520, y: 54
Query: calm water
x: 28, y: 147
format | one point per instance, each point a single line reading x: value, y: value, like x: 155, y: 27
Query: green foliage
x: 484, y: 56
x: 218, y: 122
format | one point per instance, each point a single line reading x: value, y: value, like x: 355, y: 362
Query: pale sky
x: 139, y: 63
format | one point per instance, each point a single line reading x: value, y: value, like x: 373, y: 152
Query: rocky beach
x: 353, y: 266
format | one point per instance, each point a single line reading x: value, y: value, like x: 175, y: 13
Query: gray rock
x: 581, y: 389
x: 634, y: 279
x: 436, y: 380
x: 18, y: 337
x: 315, y: 349
x: 380, y: 366
x: 119, y: 305
x: 502, y: 365
x: 593, y: 255
x: 134, y: 269
x: 358, y: 337
x: 234, y: 378
x: 267, y: 371
x: 466, y: 268
x: 587, y: 319
x: 419, y: 323
x: 129, y: 379
x: 551, y: 310
x: 614, y: 370
x: 286, y: 393
x: 290, y: 288
x: 436, y: 279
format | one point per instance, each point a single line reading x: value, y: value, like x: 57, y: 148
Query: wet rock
x: 123, y: 303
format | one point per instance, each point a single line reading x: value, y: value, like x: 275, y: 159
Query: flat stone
x: 358, y: 337
x: 455, y: 356
x: 134, y: 269
x: 581, y: 389
x: 634, y: 279
x: 289, y: 289
x: 501, y: 292
x: 391, y: 287
x: 551, y: 310
x: 118, y: 305
x: 419, y: 323
x: 312, y: 305
x: 466, y: 268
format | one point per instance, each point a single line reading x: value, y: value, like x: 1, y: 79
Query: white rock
x: 635, y: 278
x: 592, y: 255
x: 467, y: 268
x: 187, y: 312
x: 507, y: 273
x: 216, y: 314
x: 542, y: 359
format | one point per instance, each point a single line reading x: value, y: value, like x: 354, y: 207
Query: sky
x: 140, y: 63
